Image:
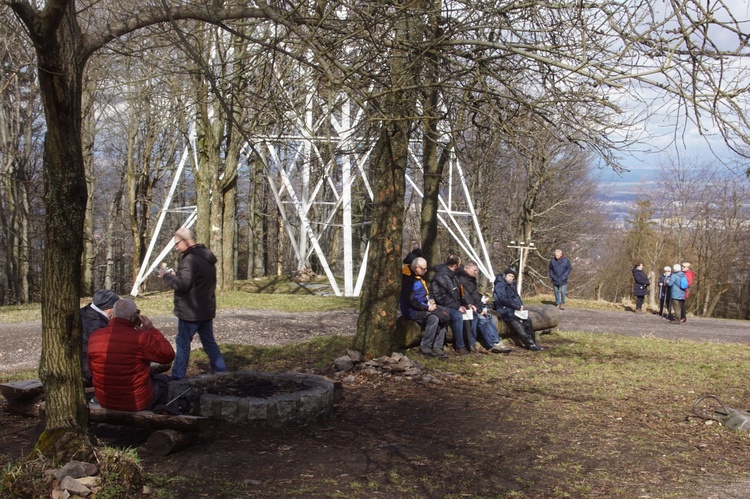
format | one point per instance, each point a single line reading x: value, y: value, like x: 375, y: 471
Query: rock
x: 60, y: 494
x: 89, y: 481
x: 76, y: 469
x: 343, y: 363
x: 356, y: 356
x: 74, y: 487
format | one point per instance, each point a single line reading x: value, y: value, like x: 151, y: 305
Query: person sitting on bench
x: 416, y: 305
x: 120, y: 357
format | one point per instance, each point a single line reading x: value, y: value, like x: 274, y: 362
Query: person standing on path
x: 690, y: 276
x: 677, y: 289
x: 559, y: 270
x: 194, y: 286
x: 640, y: 286
x: 665, y: 294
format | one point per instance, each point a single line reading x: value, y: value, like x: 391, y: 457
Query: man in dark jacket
x: 507, y: 303
x: 416, y: 305
x: 481, y: 320
x: 559, y: 270
x: 95, y: 315
x: 447, y: 292
x: 194, y: 287
x: 120, y: 357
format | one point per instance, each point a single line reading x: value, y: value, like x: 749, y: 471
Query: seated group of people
x: 454, y: 292
x: 119, y: 347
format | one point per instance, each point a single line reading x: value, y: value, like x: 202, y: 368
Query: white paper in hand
x: 522, y: 314
x: 469, y: 314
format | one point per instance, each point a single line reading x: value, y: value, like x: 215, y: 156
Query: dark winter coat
x: 194, y: 285
x: 445, y: 288
x: 415, y: 297
x: 120, y: 358
x: 641, y: 284
x: 559, y: 270
x: 664, y: 290
x: 468, y: 283
x: 506, y: 298
x: 91, y: 320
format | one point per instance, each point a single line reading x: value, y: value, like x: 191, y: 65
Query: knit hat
x: 105, y: 299
x: 510, y: 270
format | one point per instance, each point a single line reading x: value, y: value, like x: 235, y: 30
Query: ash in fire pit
x: 249, y: 386
x: 259, y: 397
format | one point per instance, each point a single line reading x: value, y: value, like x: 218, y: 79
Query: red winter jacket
x: 120, y: 358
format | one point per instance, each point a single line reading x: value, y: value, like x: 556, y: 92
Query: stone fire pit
x: 258, y: 397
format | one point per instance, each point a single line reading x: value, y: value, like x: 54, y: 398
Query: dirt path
x: 20, y: 344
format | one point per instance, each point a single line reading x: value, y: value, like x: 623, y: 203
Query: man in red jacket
x: 120, y: 356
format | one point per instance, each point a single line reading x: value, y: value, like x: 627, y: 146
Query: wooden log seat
x: 544, y: 318
x: 147, y: 419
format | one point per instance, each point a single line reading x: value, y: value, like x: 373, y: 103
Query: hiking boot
x: 534, y: 348
x: 476, y: 351
x: 440, y: 353
x: 562, y: 306
x: 427, y: 352
x: 463, y: 351
x: 500, y: 348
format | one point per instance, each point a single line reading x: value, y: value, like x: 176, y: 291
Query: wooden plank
x: 147, y: 419
x: 29, y: 388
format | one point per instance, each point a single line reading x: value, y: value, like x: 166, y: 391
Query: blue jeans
x: 560, y: 292
x: 486, y: 328
x: 457, y: 326
x: 185, y: 332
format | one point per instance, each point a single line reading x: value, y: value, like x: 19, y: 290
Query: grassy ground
x: 595, y: 415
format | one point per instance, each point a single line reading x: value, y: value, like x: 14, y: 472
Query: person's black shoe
x: 534, y: 348
x: 427, y: 352
x: 440, y: 353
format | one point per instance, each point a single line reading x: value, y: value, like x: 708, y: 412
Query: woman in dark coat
x: 640, y: 287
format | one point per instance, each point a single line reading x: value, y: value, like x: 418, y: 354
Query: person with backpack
x: 678, y: 285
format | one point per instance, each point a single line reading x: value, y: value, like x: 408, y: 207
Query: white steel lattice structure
x: 315, y: 180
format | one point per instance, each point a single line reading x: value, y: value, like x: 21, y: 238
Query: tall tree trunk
x: 60, y: 57
x: 229, y: 230
x: 256, y: 223
x: 87, y: 261
x: 379, y: 300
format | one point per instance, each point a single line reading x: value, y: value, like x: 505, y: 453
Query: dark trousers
x: 160, y: 383
x: 678, y: 306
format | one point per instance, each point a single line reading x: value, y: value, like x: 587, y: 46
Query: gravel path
x: 20, y: 343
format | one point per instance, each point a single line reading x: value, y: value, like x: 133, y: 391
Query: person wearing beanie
x: 507, y: 303
x: 95, y: 315
x: 665, y: 294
